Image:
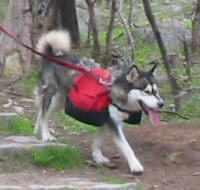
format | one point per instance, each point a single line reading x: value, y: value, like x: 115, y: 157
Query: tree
x: 19, y: 21
x: 28, y: 20
x: 93, y: 26
x: 166, y: 60
x: 196, y: 28
x: 110, y: 31
x: 69, y: 19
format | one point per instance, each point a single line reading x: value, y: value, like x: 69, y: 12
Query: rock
x: 58, y: 182
x: 25, y: 144
x: 5, y: 118
x: 171, y: 32
x: 13, y: 65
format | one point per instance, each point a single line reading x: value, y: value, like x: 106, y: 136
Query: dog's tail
x: 56, y: 42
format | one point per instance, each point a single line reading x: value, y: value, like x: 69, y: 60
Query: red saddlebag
x: 88, y: 100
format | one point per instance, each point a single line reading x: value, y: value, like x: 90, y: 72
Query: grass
x: 58, y: 158
x: 21, y: 125
x: 140, y: 186
x: 2, y: 128
x: 144, y: 51
x: 114, y: 180
x: 73, y: 125
x: 28, y: 83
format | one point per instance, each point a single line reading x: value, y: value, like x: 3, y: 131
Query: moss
x: 58, y: 158
x: 114, y: 180
x: 21, y: 125
x: 28, y: 83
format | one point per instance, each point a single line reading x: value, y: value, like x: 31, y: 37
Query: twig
x: 175, y: 113
x: 196, y: 174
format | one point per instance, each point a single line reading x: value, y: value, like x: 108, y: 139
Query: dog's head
x: 138, y: 89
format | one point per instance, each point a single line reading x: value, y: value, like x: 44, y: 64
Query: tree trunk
x: 196, y: 28
x: 15, y: 58
x: 44, y: 15
x: 110, y: 31
x: 93, y: 24
x: 69, y: 19
x: 28, y: 19
x: 173, y: 83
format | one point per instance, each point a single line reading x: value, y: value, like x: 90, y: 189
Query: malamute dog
x: 133, y: 91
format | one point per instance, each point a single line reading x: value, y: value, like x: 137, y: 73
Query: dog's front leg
x: 134, y: 165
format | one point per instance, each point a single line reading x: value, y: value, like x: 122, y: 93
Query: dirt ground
x: 170, y: 153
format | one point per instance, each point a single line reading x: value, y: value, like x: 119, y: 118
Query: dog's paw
x: 47, y: 137
x: 100, y: 158
x: 137, y: 169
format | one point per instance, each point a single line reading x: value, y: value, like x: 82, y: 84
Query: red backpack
x: 88, y: 99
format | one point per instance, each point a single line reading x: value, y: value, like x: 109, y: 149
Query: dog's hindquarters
x: 51, y: 91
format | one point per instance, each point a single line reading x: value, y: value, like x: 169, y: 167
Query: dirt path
x: 170, y: 155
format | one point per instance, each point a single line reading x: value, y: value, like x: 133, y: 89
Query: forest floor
x: 170, y: 153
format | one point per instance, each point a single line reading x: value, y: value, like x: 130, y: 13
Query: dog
x: 133, y: 91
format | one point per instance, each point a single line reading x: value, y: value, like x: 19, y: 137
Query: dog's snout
x: 161, y: 104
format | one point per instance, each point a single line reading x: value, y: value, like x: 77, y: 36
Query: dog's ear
x: 152, y: 71
x: 133, y: 73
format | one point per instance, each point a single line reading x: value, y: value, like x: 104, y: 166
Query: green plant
x: 144, y: 51
x: 21, y: 125
x: 139, y: 186
x: 58, y: 158
x: 28, y: 83
x: 114, y: 180
x: 2, y: 127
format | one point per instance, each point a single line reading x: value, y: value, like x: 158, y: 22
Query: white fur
x: 59, y: 40
x: 42, y: 122
x: 121, y: 142
x: 118, y: 115
x: 97, y: 155
x: 149, y: 100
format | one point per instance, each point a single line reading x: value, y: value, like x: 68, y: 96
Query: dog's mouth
x: 153, y: 114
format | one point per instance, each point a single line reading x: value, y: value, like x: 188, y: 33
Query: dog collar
x: 121, y: 109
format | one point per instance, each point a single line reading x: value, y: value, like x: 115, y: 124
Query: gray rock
x: 5, y: 118
x: 63, y: 183
x: 171, y: 32
x: 25, y: 144
x: 13, y: 65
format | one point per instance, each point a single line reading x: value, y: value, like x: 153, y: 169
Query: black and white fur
x: 131, y: 89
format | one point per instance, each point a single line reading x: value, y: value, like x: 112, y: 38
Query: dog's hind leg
x: 51, y: 100
x: 97, y: 155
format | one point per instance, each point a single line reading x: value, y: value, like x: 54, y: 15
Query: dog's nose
x: 161, y: 104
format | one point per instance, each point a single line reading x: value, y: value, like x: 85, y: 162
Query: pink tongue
x: 154, y: 117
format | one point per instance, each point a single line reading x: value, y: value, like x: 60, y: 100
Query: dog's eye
x: 148, y: 89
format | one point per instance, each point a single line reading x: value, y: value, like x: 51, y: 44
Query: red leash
x: 54, y: 59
